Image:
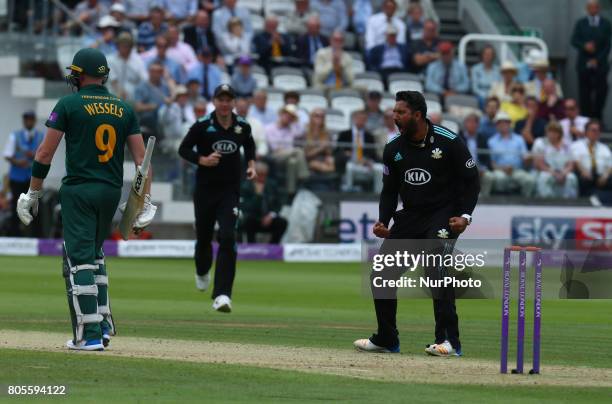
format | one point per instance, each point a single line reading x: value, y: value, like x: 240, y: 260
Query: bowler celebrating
x: 432, y: 171
x: 97, y: 125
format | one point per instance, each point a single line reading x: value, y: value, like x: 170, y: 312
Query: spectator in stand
x: 484, y: 74
x: 223, y: 14
x: 19, y: 152
x: 201, y: 108
x: 260, y: 111
x: 386, y: 131
x: 378, y: 24
x: 180, y: 50
x: 361, y: 11
x: 446, y: 76
x: 127, y: 70
x: 509, y: 158
x: 593, y: 161
x: 105, y: 36
x: 150, y: 96
x: 179, y: 10
x: 118, y: 12
x: 90, y: 12
x: 148, y: 31
x: 374, y: 113
x: 257, y: 129
x: 551, y: 108
x: 296, y: 22
x: 206, y: 73
x: 515, y: 108
x: 487, y: 123
x: 175, y: 119
x: 293, y: 98
x: 573, y: 124
x: 356, y: 155
x: 476, y: 142
x: 541, y: 73
x: 435, y: 117
x: 270, y: 45
x: 138, y: 10
x: 501, y: 89
x: 553, y: 161
x: 333, y: 15
x: 414, y: 23
x: 194, y: 94
x: 425, y: 50
x: 309, y: 44
x: 243, y: 82
x: 281, y: 136
x: 260, y: 205
x: 199, y: 35
x: 318, y: 147
x: 532, y: 126
x: 333, y: 66
x: 390, y: 56
x: 174, y: 72
x: 591, y: 38
x: 234, y: 43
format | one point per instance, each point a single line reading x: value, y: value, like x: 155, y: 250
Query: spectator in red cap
x: 447, y: 76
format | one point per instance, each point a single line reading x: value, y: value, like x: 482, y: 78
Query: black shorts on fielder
x: 217, y: 205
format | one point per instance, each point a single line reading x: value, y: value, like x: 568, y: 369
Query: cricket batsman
x: 432, y: 171
x: 96, y: 125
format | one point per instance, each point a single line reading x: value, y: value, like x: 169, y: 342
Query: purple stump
x: 505, y: 311
x: 520, y: 327
x: 537, y: 313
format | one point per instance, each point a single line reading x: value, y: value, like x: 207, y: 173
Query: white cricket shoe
x: 223, y: 304
x: 444, y: 349
x: 91, y: 345
x: 365, y: 345
x: 202, y: 281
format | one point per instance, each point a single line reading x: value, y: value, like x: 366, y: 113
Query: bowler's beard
x: 410, y: 129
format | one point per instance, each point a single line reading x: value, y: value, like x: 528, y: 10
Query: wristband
x: 40, y: 170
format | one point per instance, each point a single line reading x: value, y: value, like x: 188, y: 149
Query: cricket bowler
x: 96, y: 125
x: 432, y: 171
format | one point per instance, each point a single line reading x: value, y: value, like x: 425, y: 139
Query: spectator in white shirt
x: 260, y: 111
x: 235, y: 42
x: 593, y: 161
x: 179, y: 50
x: 180, y: 10
x: 257, y: 129
x: 377, y: 24
x: 127, y: 70
x: 176, y: 118
x: 553, y: 162
x: 333, y: 15
x: 229, y: 10
x: 415, y: 22
x: 573, y: 124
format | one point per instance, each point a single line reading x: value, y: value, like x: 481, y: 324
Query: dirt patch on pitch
x: 392, y: 368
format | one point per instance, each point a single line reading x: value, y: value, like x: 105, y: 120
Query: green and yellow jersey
x: 96, y: 125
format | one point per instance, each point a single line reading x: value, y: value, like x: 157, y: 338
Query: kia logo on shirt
x: 225, y: 146
x: 417, y: 176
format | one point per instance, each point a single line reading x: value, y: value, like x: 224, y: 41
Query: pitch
x: 289, y: 338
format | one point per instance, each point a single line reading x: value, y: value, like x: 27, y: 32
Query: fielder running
x: 97, y: 126
x: 432, y: 171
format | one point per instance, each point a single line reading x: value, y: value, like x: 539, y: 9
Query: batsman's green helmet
x: 91, y: 62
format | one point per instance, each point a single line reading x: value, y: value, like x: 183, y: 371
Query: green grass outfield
x: 276, y: 304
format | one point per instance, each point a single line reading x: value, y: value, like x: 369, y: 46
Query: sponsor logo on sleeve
x: 470, y: 163
x: 53, y: 117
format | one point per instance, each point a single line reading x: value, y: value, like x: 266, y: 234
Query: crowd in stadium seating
x: 290, y: 60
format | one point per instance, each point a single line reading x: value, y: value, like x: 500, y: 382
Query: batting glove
x: 27, y: 202
x: 146, y: 215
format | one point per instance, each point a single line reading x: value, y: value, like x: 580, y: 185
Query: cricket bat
x: 135, y: 200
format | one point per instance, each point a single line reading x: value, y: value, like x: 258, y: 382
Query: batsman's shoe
x: 444, y: 349
x: 223, y: 304
x: 91, y: 345
x: 106, y: 336
x: 202, y: 281
x: 365, y: 345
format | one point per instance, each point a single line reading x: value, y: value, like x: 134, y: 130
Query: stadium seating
x: 260, y: 76
x: 460, y: 105
x: 254, y: 6
x: 347, y: 101
x: 288, y: 78
x: 313, y: 98
x: 370, y: 81
x: 335, y: 121
x: 278, y: 7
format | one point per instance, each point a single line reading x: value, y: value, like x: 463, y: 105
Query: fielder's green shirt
x: 96, y: 125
